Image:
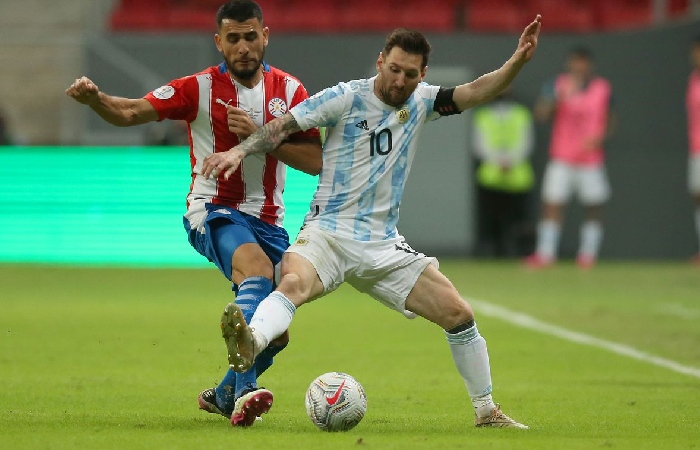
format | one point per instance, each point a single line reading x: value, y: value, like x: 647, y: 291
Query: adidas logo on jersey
x: 363, y: 125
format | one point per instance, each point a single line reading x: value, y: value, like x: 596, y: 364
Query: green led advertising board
x: 107, y: 205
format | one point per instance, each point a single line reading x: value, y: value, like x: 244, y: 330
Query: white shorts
x: 561, y: 180
x: 694, y: 174
x: 386, y: 270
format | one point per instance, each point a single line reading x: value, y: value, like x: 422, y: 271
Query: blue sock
x: 225, y: 392
x: 264, y: 359
x: 250, y: 293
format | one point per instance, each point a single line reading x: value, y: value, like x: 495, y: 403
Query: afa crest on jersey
x: 403, y: 115
x: 277, y: 107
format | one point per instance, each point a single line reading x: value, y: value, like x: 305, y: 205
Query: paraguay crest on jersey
x: 277, y: 107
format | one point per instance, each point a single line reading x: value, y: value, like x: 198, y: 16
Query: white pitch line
x: 679, y: 311
x: 529, y: 322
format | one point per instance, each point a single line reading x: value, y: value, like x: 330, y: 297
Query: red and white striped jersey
x: 201, y: 99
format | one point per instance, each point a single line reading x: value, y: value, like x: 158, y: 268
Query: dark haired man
x: 350, y: 232
x: 235, y: 222
x: 578, y: 103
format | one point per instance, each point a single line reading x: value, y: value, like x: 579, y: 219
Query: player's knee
x: 457, y: 313
x: 291, y: 283
x: 294, y: 286
x: 255, y: 266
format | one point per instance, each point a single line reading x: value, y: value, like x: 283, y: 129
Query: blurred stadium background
x: 67, y: 201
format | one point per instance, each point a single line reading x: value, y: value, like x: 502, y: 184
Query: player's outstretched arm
x: 306, y: 155
x: 119, y: 111
x: 264, y: 140
x: 487, y: 86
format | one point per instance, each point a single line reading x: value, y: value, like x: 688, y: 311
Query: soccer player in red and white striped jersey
x: 235, y: 222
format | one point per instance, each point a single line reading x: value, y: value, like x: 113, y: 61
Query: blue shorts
x: 226, y: 229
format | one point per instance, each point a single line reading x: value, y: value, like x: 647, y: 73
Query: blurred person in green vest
x: 503, y: 139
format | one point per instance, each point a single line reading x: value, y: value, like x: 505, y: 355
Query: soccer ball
x: 335, y: 401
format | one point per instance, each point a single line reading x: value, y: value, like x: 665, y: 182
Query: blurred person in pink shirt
x: 578, y: 102
x: 693, y: 108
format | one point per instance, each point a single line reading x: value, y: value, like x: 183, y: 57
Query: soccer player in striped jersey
x: 350, y: 232
x: 236, y: 221
x: 693, y: 109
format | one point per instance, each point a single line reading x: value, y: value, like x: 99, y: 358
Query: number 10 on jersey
x: 376, y: 141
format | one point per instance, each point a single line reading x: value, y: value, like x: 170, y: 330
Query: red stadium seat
x: 183, y: 15
x: 201, y: 4
x: 381, y: 16
x: 353, y: 16
x: 129, y: 20
x: 311, y: 16
x: 677, y: 8
x: 426, y: 16
x: 133, y: 15
x: 621, y: 14
x: 274, y: 14
x: 496, y: 16
x: 565, y: 15
x: 140, y: 4
x: 192, y: 19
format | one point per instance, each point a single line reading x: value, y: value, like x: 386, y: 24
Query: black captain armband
x: 444, y: 105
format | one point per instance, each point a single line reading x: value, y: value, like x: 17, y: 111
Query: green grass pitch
x: 106, y: 358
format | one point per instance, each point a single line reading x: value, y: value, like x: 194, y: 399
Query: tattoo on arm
x: 269, y: 137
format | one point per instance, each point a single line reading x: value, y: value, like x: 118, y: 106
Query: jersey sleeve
x: 177, y: 100
x: 322, y: 109
x: 434, y: 98
x: 299, y: 96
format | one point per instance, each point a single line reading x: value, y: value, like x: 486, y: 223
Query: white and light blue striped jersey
x: 366, y: 157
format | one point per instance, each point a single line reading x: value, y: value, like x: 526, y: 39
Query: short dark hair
x: 410, y: 41
x: 239, y: 10
x: 581, y: 52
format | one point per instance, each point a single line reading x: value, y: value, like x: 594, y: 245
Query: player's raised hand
x: 84, y: 91
x: 528, y: 40
x: 240, y: 123
x: 224, y: 163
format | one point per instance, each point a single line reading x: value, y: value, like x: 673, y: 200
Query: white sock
x: 271, y: 319
x: 472, y: 360
x: 548, y: 239
x: 591, y: 237
x: 697, y: 224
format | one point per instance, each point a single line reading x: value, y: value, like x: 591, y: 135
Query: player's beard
x: 393, y: 98
x: 246, y: 74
